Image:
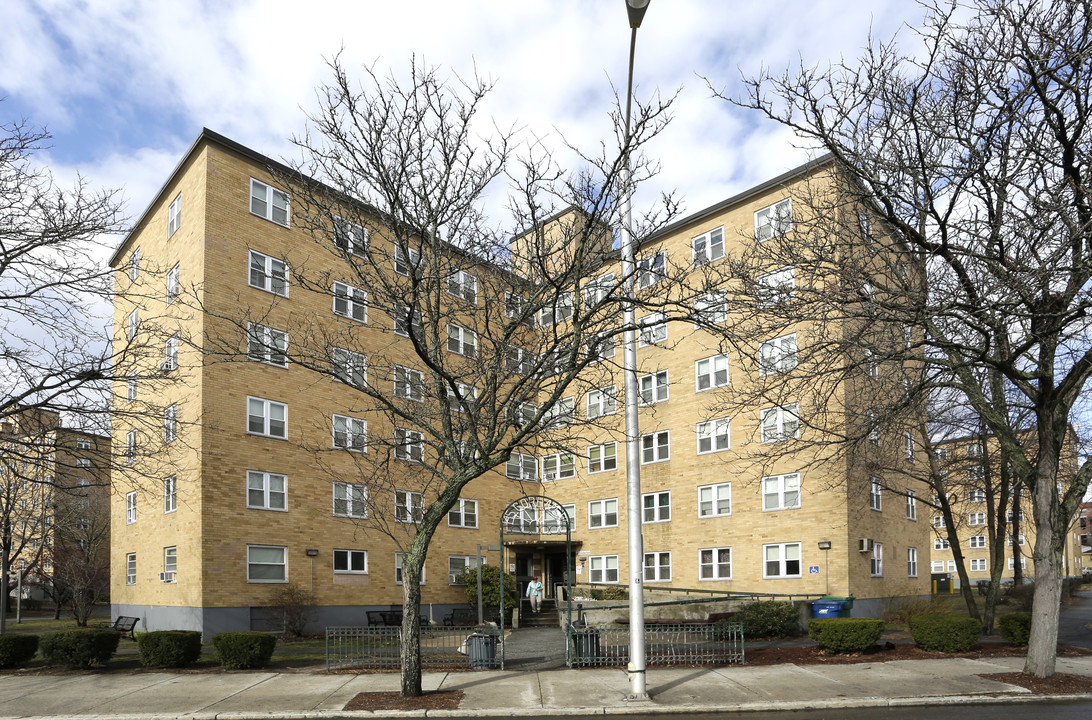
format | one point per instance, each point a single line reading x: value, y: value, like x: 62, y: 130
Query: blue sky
x: 124, y: 86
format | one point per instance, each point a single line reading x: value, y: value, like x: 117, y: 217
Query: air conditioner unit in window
x: 166, y: 366
x: 167, y: 577
x: 864, y: 545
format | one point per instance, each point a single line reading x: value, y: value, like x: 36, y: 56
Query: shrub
x: 838, y: 635
x: 169, y: 648
x: 1015, y: 627
x: 244, y: 649
x: 609, y: 592
x: 898, y: 611
x: 769, y: 619
x: 16, y: 650
x: 1019, y: 596
x: 491, y: 592
x: 294, y: 601
x: 945, y: 633
x: 80, y: 648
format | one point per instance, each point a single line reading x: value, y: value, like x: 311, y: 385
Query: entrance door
x: 525, y: 568
x: 555, y: 574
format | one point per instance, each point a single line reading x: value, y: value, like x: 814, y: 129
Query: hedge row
x: 845, y: 635
x: 945, y: 633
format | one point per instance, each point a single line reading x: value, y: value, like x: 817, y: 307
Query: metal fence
x: 665, y: 644
x: 442, y: 648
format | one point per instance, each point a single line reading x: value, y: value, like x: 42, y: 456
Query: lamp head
x: 636, y: 10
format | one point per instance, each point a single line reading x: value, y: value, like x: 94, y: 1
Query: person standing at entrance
x: 534, y: 591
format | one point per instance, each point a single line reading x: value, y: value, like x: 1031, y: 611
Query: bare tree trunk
x: 1047, y: 555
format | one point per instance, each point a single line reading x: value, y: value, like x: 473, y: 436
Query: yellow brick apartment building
x: 231, y: 502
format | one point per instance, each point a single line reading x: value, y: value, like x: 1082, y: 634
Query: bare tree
x: 967, y: 162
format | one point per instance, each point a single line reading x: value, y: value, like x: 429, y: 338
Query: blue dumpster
x: 828, y: 608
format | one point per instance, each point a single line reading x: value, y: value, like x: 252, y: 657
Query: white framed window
x: 974, y: 450
x: 266, y: 345
x: 976, y: 541
x: 650, y: 269
x: 130, y: 569
x: 350, y: 500
x: 711, y: 372
x: 399, y: 560
x: 350, y: 433
x: 265, y: 491
x: 560, y: 311
x: 1018, y: 540
x: 409, y: 445
x: 457, y: 567
x: 657, y: 567
x: 463, y: 285
x: 83, y: 462
x: 911, y: 506
x: 603, y: 569
x: 351, y: 562
x: 602, y: 401
x: 780, y: 423
x: 133, y: 325
x: 715, y: 563
x: 350, y: 367
x: 409, y: 507
x: 406, y: 260
x: 515, y: 308
x: 976, y: 496
x: 409, y: 384
x: 130, y: 507
x: 708, y: 246
x: 170, y: 494
x: 656, y: 507
x: 521, y: 467
x: 558, y: 466
x: 875, y: 494
x: 596, y: 291
x: 170, y: 563
x: 777, y: 356
x: 1023, y: 563
x: 602, y: 458
x: 268, y: 202
x: 266, y: 564
x: 462, y: 341
x: 266, y: 417
x: 83, y: 444
x: 773, y: 220
x: 936, y: 566
x: 715, y: 500
x: 518, y: 360
x: 405, y: 321
x: 268, y: 273
x: 131, y: 389
x: 350, y: 302
x: 170, y: 423
x: 872, y: 367
x: 876, y: 561
x: 134, y: 265
x: 911, y: 562
x: 173, y: 283
x: 170, y: 354
x: 602, y: 347
x: 653, y: 330
x: 774, y: 288
x: 461, y: 397
x: 781, y: 560
x: 464, y: 514
x: 522, y: 413
x: 711, y: 309
x: 714, y: 436
x: 976, y: 518
x: 655, y: 447
x: 603, y: 513
x: 940, y: 543
x: 653, y: 387
x: 1020, y: 515
x: 781, y: 492
x: 174, y: 215
x: 908, y: 446
x: 938, y: 521
x: 350, y: 237
x: 561, y: 413
x: 979, y: 565
x: 130, y: 447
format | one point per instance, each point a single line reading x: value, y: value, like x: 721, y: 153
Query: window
x: 266, y: 417
x: 350, y: 367
x: 350, y: 500
x: 561, y: 310
x: 941, y: 544
x: 603, y: 401
x: 170, y: 354
x: 872, y: 368
x: 408, y: 383
x: 130, y: 447
x: 170, y: 423
x: 406, y: 260
x: 656, y: 507
x: 781, y: 560
x: 170, y: 563
x: 602, y: 457
x: 603, y: 569
x: 596, y: 291
x: 1018, y: 540
x: 781, y: 492
x: 655, y: 447
x: 269, y: 203
x: 1020, y: 515
x: 911, y: 506
x: 405, y: 320
x: 130, y: 508
x: 464, y: 514
x: 174, y: 215
x: 715, y: 564
x: 911, y: 562
x: 461, y: 341
x: 938, y: 521
x: 130, y: 569
x: 979, y: 564
x: 170, y: 494
x: 780, y: 423
x: 83, y: 462
x: 876, y: 564
x: 409, y: 445
x: 653, y: 388
x: 875, y: 494
x: 712, y: 372
x: 714, y: 436
x: 558, y: 466
x: 711, y: 309
x: 518, y: 360
x: 521, y: 467
x: 350, y: 433
x: 265, y: 491
x: 173, y: 284
x: 464, y: 285
x: 657, y: 567
x: 133, y: 325
x: 976, y: 518
x: 976, y: 496
x: 777, y: 356
x: 1023, y: 563
x: 399, y: 559
x: 131, y: 389
x: 650, y: 269
x: 266, y: 345
x: 408, y: 506
x: 134, y: 265
x: 461, y: 397
x: 773, y: 220
x: 601, y: 348
x: 350, y: 237
x: 563, y: 413
x: 268, y: 273
x: 350, y: 302
x: 521, y: 413
x: 351, y: 562
x: 936, y: 566
x: 653, y: 330
x: 908, y: 446
x: 775, y: 287
x: 266, y: 564
x: 708, y: 246
x: 603, y: 513
x: 715, y: 500
x: 457, y: 566
x: 977, y: 541
x: 514, y: 307
x: 974, y: 449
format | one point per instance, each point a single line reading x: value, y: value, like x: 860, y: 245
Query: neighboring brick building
x: 236, y: 505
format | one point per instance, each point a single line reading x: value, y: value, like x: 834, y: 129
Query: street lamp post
x: 636, y: 668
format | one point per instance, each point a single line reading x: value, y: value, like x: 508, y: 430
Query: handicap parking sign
x: 813, y: 569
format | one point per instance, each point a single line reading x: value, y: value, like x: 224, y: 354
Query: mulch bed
x: 439, y: 700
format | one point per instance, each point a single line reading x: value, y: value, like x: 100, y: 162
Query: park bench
x: 389, y: 618
x: 461, y: 616
x: 124, y: 624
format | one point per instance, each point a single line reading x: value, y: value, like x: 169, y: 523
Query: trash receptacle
x: 828, y: 609
x: 585, y: 645
x: 843, y: 610
x: 482, y: 651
